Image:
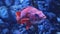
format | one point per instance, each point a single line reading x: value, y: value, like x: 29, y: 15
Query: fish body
x: 24, y: 16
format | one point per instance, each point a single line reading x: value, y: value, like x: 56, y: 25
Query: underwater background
x: 8, y: 23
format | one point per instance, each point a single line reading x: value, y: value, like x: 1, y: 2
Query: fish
x: 24, y: 16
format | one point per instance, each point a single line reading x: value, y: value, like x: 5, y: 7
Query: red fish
x: 28, y: 13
